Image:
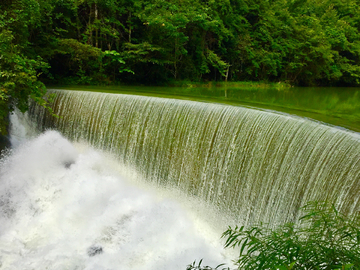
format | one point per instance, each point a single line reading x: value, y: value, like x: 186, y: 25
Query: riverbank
x: 237, y: 84
x: 194, y: 84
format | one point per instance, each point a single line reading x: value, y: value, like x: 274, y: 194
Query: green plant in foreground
x: 322, y: 239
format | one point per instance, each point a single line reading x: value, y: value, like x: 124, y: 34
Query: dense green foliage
x: 20, y: 65
x: 152, y: 41
x: 322, y: 239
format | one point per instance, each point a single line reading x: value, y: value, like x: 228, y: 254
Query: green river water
x: 338, y: 106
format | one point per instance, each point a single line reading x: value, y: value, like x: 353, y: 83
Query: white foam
x: 57, y: 203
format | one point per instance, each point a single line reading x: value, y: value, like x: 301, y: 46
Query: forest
x: 299, y: 42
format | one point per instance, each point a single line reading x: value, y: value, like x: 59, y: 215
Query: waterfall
x: 65, y: 205
x: 255, y: 165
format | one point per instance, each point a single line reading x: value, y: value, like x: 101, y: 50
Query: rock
x: 94, y: 250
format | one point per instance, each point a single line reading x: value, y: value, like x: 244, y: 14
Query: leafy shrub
x: 323, y: 239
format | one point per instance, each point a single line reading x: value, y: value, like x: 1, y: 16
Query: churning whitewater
x: 63, y: 206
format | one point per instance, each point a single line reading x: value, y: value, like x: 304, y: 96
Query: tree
x: 19, y: 70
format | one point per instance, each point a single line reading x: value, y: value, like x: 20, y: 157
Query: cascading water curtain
x: 255, y: 165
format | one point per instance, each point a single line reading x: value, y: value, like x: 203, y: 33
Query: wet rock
x: 68, y: 164
x: 94, y: 250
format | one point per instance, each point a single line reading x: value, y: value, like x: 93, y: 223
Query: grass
x: 237, y: 84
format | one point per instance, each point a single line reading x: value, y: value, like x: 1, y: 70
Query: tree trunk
x: 175, y: 58
x: 97, y: 30
x: 227, y: 73
x: 129, y: 26
x: 226, y: 79
x: 78, y: 24
x: 90, y: 29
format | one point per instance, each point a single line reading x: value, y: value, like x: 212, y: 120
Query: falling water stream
x: 258, y: 166
x: 135, y: 182
x: 65, y: 205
